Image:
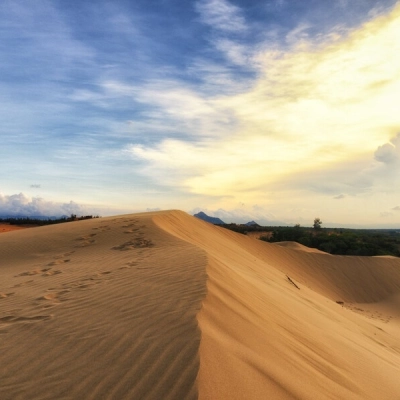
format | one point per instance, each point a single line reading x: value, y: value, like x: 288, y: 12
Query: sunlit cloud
x: 389, y: 153
x: 314, y: 109
x: 283, y: 105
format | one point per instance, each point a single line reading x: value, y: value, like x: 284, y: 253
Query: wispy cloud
x: 302, y: 125
x: 221, y: 101
x: 308, y: 109
x: 222, y: 15
x: 339, y: 197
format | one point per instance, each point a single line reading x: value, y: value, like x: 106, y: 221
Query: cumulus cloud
x: 397, y: 208
x: 19, y: 205
x: 339, y: 197
x: 389, y: 153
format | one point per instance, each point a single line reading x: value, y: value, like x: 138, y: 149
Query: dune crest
x: 165, y: 306
x: 287, y: 324
x: 99, y: 309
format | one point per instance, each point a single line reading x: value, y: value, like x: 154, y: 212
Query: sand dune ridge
x: 163, y: 305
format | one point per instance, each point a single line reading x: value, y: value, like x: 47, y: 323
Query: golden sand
x: 165, y: 306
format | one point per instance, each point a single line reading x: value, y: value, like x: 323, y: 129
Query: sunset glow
x: 273, y: 111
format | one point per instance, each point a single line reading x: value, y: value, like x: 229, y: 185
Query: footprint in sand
x: 64, y: 255
x: 103, y: 228
x: 22, y: 284
x: 34, y: 272
x: 51, y: 273
x: 86, y: 240
x: 58, y: 262
x: 135, y: 230
x: 128, y: 265
x: 5, y: 295
x: 85, y: 243
x: 54, y: 296
x: 132, y: 263
x: 134, y: 244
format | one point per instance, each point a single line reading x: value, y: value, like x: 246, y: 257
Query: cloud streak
x: 222, y: 16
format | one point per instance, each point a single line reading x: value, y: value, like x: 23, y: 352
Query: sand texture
x: 165, y: 306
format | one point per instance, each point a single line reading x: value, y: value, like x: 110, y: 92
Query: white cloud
x: 173, y: 105
x: 389, y: 153
x: 298, y: 34
x: 229, y: 29
x: 21, y: 205
x: 236, y: 53
x: 221, y: 15
x: 309, y: 124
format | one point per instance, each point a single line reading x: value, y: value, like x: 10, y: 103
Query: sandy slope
x: 263, y: 338
x: 99, y: 309
x: 165, y: 306
x: 8, y: 228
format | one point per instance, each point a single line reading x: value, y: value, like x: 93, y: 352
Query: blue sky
x: 268, y: 110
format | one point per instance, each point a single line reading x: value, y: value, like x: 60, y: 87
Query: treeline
x: 241, y: 228
x: 352, y: 242
x: 42, y: 221
x: 355, y: 242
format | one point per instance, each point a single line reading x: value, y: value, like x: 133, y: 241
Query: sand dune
x: 165, y: 306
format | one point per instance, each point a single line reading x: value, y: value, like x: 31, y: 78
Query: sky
x: 277, y: 111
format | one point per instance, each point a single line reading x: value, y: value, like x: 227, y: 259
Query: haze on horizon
x: 266, y: 110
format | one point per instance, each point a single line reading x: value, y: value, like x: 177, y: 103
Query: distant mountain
x: 212, y: 220
x: 252, y: 223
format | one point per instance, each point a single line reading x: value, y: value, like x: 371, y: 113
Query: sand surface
x: 4, y: 227
x: 165, y: 306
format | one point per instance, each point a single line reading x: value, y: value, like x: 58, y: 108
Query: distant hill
x: 212, y: 220
x: 252, y: 223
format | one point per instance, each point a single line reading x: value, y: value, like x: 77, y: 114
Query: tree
x: 317, y: 224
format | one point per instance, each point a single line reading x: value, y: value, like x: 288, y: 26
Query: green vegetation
x: 317, y: 224
x: 360, y: 242
x: 40, y: 222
